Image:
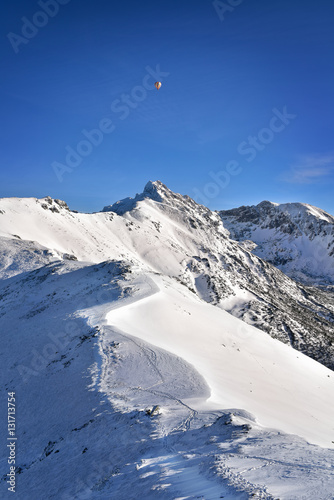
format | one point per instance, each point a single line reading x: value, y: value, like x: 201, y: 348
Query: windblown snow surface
x: 98, y: 330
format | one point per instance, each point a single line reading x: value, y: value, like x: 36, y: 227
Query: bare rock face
x: 53, y: 205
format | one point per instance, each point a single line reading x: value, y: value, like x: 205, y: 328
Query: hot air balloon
x: 157, y: 85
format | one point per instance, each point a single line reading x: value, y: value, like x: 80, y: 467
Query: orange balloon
x: 157, y: 85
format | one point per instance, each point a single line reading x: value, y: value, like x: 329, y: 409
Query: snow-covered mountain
x: 295, y: 237
x: 136, y: 341
x: 171, y: 234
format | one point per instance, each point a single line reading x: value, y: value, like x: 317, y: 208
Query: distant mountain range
x: 295, y: 237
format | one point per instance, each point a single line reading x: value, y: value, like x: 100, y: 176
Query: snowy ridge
x: 221, y: 356
x: 102, y: 374
x: 106, y: 316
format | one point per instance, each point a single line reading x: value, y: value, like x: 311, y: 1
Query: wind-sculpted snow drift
x: 150, y: 304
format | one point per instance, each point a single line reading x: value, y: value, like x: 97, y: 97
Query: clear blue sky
x: 223, y: 75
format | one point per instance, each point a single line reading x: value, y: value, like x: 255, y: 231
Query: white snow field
x: 91, y: 346
x: 242, y: 366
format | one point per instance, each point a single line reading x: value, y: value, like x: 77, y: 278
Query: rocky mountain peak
x: 158, y: 192
x: 154, y: 190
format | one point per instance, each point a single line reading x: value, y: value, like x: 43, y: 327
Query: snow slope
x: 84, y: 375
x: 243, y: 366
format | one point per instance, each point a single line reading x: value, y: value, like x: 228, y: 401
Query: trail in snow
x: 147, y: 288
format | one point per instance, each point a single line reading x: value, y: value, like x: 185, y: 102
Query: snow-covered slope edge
x: 243, y: 366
